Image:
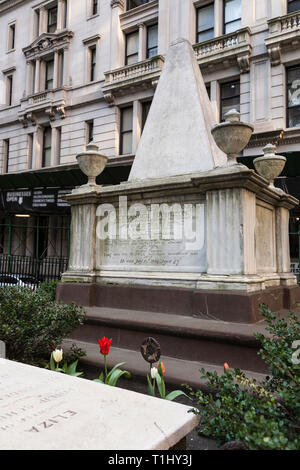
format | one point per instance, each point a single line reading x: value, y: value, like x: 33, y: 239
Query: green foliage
x: 113, y: 376
x: 31, y: 324
x: 65, y: 369
x: 159, y: 381
x: 74, y: 353
x: 49, y: 288
x: 265, y: 415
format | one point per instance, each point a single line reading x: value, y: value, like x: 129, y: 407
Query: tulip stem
x: 105, y: 367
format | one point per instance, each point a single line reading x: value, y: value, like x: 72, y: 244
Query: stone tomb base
x: 228, y: 306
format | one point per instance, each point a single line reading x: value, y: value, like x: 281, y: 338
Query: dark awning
x: 64, y: 176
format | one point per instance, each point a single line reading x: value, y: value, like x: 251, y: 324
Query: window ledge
x: 93, y: 16
x: 10, y: 50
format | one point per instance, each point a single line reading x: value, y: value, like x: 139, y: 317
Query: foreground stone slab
x: 41, y: 409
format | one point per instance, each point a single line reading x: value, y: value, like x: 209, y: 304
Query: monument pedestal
x: 220, y: 230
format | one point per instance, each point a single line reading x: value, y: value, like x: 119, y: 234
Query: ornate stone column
x: 37, y: 75
x: 142, y: 41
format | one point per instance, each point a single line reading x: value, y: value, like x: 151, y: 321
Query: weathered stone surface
x: 2, y: 350
x: 177, y: 139
x: 41, y: 409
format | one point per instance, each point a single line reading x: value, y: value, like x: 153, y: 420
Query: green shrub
x: 49, y: 288
x: 263, y: 415
x: 32, y: 325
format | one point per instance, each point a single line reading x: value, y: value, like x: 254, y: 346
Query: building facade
x: 72, y: 71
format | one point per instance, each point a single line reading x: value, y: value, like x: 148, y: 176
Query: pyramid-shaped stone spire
x: 177, y: 138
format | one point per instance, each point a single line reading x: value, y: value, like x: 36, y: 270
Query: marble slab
x: 41, y: 409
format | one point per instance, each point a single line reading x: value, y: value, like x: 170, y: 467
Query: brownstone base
x: 230, y: 306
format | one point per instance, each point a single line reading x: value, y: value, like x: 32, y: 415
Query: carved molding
x: 48, y: 42
x: 244, y: 63
x: 274, y: 54
x: 117, y: 3
x: 109, y: 98
x: 51, y: 113
x: 61, y: 111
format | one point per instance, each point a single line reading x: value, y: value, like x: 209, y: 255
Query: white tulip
x: 58, y: 355
x: 154, y: 372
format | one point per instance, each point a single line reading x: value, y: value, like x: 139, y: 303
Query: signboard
x: 28, y: 201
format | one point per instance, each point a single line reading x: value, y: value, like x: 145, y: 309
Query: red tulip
x: 104, y: 344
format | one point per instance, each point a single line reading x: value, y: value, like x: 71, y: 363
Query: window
x: 49, y: 75
x: 232, y: 15
x: 89, y: 132
x: 135, y: 3
x: 46, y: 159
x: 152, y: 40
x: 208, y: 89
x: 126, y: 131
x: 205, y: 23
x: 5, y: 160
x: 94, y: 9
x: 132, y: 48
x: 9, y: 89
x: 52, y: 20
x: 293, y: 97
x: 58, y: 145
x: 230, y: 97
x: 293, y: 5
x: 11, y: 36
x: 146, y: 105
x: 92, y: 54
x: 36, y: 23
x: 29, y: 150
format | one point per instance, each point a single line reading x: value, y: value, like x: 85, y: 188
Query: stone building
x: 72, y: 71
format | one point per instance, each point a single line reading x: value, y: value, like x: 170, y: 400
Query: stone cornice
x: 9, y: 4
x: 48, y: 42
x: 196, y: 183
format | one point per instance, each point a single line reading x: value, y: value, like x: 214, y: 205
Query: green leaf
x: 52, y: 362
x: 176, y: 393
x: 99, y: 381
x: 161, y: 386
x: 150, y: 387
x: 117, y: 373
x: 114, y: 368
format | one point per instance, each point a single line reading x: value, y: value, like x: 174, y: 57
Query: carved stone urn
x: 269, y: 166
x: 91, y: 163
x: 232, y: 136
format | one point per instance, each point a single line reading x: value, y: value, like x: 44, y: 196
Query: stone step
x: 180, y: 337
x: 178, y: 371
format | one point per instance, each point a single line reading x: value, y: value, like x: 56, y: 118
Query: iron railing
x: 20, y: 270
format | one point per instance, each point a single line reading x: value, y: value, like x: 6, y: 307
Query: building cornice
x: 10, y: 4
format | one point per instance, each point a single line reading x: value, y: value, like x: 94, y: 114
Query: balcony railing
x: 285, y: 24
x: 146, y: 72
x: 137, y: 70
x: 52, y: 102
x: 284, y: 32
x: 221, y: 47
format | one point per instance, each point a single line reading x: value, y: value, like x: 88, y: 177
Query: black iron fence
x: 31, y: 272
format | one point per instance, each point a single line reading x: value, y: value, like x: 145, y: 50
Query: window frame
x: 147, y: 41
x: 290, y: 2
x: 11, y: 45
x: 47, y: 80
x: 5, y: 150
x: 145, y: 113
x: 92, y: 62
x: 229, y: 22
x: 121, y: 146
x: 49, y: 25
x: 89, y: 131
x: 223, y: 99
x: 287, y: 96
x: 198, y: 8
x: 48, y: 128
x: 9, y: 89
x: 128, y: 2
x: 136, y: 31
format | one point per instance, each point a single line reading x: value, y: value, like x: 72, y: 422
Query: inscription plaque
x: 41, y: 409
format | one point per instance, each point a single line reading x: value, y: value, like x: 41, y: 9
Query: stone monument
x: 189, y: 217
